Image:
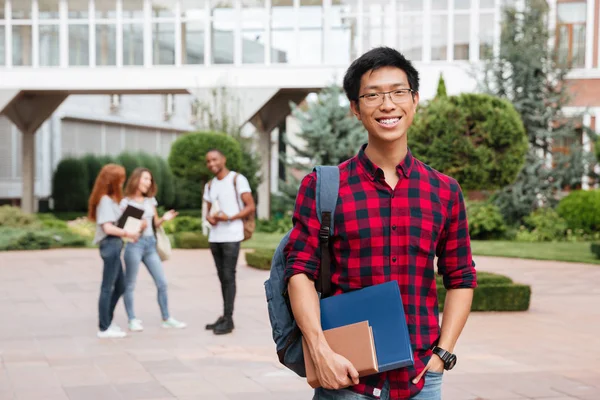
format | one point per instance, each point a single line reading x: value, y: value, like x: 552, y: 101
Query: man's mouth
x: 388, y: 122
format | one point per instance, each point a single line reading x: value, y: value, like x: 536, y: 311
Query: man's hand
x: 211, y: 220
x: 334, y: 371
x: 222, y: 217
x: 435, y: 364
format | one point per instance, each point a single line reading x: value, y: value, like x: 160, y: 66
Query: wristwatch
x: 448, y: 358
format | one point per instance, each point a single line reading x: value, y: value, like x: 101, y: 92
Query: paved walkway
x: 48, y: 347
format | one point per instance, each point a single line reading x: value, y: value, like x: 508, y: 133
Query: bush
x: 477, y: 139
x: 260, y: 259
x: 183, y: 224
x: 187, y: 162
x: 49, y: 221
x: 93, y: 165
x: 70, y: 189
x: 28, y: 239
x: 129, y: 161
x: 495, y: 297
x: 485, y: 221
x: 543, y: 225
x: 14, y: 217
x: 580, y: 210
x: 82, y: 227
x: 595, y: 248
x: 191, y: 240
x: 274, y: 225
x: 166, y: 190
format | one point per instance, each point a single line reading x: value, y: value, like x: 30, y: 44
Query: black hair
x: 215, y: 150
x: 374, y: 59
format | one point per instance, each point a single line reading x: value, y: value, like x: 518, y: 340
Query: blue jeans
x: 144, y: 251
x: 113, y: 282
x: 432, y: 390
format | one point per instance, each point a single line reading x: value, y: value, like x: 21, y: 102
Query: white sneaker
x: 111, y: 334
x: 135, y: 325
x: 115, y: 327
x: 173, y: 323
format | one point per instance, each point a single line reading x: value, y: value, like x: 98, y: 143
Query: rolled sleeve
x: 455, y: 261
x: 302, y: 249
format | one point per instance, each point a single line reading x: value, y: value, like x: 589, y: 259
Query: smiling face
x: 385, y: 120
x: 215, y: 162
x: 145, y: 182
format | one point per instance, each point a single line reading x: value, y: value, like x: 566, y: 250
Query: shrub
x: 580, y: 210
x: 14, y: 217
x: 475, y: 138
x: 485, y: 221
x: 274, y: 225
x: 495, y: 297
x: 49, y: 221
x: 93, y: 165
x: 183, y: 224
x: 29, y: 239
x: 595, y: 248
x: 70, y: 189
x: 260, y: 259
x: 191, y: 240
x: 82, y: 227
x: 129, y: 161
x: 166, y: 190
x: 543, y: 225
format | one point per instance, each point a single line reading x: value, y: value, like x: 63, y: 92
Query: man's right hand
x: 211, y: 220
x: 334, y: 371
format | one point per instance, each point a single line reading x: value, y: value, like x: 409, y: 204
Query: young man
x: 232, y: 193
x: 394, y: 215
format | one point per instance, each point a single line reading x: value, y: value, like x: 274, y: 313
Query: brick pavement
x: 48, y: 347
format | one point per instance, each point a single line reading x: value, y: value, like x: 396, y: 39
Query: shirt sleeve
x: 123, y: 204
x: 302, y: 249
x: 105, y: 211
x: 455, y: 261
x: 243, y: 186
x: 153, y: 202
x: 206, y: 195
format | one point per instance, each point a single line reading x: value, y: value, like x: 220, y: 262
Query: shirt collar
x: 404, y: 167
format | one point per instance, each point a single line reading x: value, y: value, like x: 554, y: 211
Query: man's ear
x: 355, y: 108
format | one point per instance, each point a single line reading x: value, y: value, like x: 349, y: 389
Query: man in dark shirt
x: 394, y: 215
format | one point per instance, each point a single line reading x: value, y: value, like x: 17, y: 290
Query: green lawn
x: 564, y: 251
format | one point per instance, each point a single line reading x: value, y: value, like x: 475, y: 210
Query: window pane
x: 486, y: 3
x: 411, y: 37
x: 462, y: 4
x: 410, y: 5
x: 2, y: 48
x: 79, y: 48
x: 48, y: 9
x: 282, y: 46
x: 78, y: 9
x: 49, y: 54
x: 105, y: 9
x: 193, y: 8
x: 310, y: 16
x: 253, y: 3
x: 21, y: 43
x: 2, y: 2
x: 486, y: 36
x: 222, y: 33
x: 571, y: 12
x: 133, y: 44
x: 163, y: 8
x: 309, y: 46
x: 133, y: 8
x: 340, y: 44
x: 439, y: 4
x: 253, y: 32
x: 439, y: 35
x: 461, y: 37
x: 192, y: 36
x: 163, y: 43
x: 578, y: 60
x: 106, y: 44
x: 21, y: 9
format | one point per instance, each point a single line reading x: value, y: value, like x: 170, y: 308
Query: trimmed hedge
x: 191, y: 240
x: 494, y: 292
x: 34, y: 239
x: 70, y: 182
x: 580, y: 210
x: 595, y: 248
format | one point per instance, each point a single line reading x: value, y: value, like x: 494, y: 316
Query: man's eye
x: 372, y: 95
x: 400, y: 92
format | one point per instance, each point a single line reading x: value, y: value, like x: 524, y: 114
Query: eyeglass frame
x: 391, y: 91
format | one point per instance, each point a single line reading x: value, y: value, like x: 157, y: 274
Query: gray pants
x: 226, y: 257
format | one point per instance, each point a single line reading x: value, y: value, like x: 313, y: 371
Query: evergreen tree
x: 526, y: 73
x: 441, y: 89
x: 331, y: 134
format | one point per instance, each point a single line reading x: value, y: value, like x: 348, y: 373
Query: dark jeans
x: 113, y: 280
x: 226, y: 257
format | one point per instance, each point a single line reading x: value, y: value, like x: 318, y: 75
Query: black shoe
x: 226, y: 326
x: 210, y: 327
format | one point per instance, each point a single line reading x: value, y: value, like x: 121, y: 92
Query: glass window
x: 487, y: 3
x: 21, y: 45
x: 439, y: 4
x: 2, y: 3
x: 79, y: 45
x: 571, y: 33
x: 2, y: 48
x: 310, y: 41
x: 48, y: 9
x: 461, y: 37
x: 193, y: 8
x: 253, y: 31
x: 462, y: 4
x: 78, y: 9
x: 439, y: 35
x: 411, y: 37
x: 105, y: 9
x: 133, y: 9
x: 223, y: 23
x: 340, y: 45
x: 163, y: 43
x: 410, y: 5
x: 283, y: 39
x: 163, y: 8
x: 133, y: 44
x: 21, y: 9
x: 48, y: 39
x: 571, y: 12
x: 192, y: 36
x: 106, y: 44
x: 486, y: 36
x: 373, y: 25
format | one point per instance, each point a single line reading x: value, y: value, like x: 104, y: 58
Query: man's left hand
x: 221, y: 217
x: 435, y: 364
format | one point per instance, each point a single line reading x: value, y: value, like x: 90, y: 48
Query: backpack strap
x: 328, y: 183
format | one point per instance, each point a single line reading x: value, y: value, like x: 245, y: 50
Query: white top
x: 148, y: 207
x: 223, y: 192
x: 107, y: 211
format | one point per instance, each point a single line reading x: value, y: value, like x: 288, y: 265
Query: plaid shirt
x: 383, y: 234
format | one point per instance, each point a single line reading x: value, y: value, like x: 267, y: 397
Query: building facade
x: 269, y: 51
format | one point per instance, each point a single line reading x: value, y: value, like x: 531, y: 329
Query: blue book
x: 381, y: 305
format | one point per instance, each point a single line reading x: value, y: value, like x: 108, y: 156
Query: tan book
x: 354, y: 342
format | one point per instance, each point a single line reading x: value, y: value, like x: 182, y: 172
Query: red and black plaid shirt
x: 384, y: 234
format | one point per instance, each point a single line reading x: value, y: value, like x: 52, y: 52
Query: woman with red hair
x: 103, y: 208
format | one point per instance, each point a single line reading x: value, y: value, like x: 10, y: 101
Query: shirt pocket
x: 424, y: 231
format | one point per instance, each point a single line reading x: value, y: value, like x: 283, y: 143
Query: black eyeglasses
x: 398, y: 96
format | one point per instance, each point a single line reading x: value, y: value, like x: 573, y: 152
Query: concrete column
x: 28, y: 172
x: 264, y: 189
